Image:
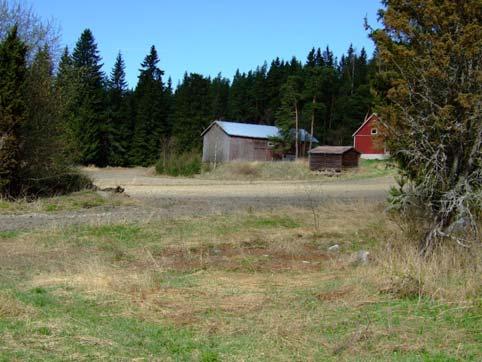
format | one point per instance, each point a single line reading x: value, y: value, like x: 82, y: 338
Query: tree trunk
x: 312, y: 122
x: 296, y: 131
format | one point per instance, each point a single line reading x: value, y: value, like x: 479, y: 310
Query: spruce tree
x: 193, y: 111
x: 46, y: 159
x: 151, y: 112
x: 65, y: 87
x: 89, y: 118
x: 219, y: 94
x: 12, y: 111
x: 40, y: 127
x: 118, y: 115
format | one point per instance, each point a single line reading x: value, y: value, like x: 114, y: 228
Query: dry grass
x: 298, y: 170
x: 10, y: 307
x: 449, y: 275
x: 246, y: 286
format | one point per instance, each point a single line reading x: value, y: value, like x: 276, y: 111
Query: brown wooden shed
x: 333, y: 157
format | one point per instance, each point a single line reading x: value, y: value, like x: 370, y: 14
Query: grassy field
x: 77, y: 201
x: 299, y: 170
x: 252, y: 286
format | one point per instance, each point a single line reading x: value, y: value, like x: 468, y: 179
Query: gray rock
x: 335, y: 247
x: 362, y: 257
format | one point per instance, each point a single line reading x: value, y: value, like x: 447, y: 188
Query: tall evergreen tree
x: 219, y: 97
x: 193, y: 111
x: 118, y: 115
x: 313, y: 87
x: 12, y: 110
x: 151, y: 112
x: 89, y: 118
x: 65, y: 87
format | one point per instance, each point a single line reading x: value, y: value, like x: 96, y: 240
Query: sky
x: 211, y: 36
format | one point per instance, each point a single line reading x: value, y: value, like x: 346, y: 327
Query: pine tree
x: 151, y: 112
x: 291, y: 105
x: 12, y: 111
x: 89, y: 118
x: 313, y: 87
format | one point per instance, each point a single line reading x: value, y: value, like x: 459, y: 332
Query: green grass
x: 247, y: 286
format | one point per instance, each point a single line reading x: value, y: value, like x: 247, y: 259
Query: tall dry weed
x: 450, y: 273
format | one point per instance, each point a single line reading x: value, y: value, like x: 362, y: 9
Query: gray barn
x: 230, y: 141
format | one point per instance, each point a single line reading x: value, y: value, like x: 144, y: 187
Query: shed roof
x: 332, y: 150
x: 245, y: 129
x: 237, y: 129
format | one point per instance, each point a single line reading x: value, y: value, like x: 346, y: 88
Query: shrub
x: 184, y: 164
x: 61, y: 184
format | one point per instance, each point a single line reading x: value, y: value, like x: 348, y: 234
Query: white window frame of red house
x: 374, y: 131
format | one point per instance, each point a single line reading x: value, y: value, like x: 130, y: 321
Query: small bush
x: 62, y: 184
x: 184, y: 164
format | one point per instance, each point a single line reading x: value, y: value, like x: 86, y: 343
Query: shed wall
x: 321, y: 161
x: 351, y: 158
x: 216, y: 145
x: 249, y: 149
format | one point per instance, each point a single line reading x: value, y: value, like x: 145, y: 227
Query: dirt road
x: 161, y: 197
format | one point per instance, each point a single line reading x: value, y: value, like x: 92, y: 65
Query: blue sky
x: 211, y: 36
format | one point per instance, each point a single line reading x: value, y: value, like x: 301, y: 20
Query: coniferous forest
x: 111, y: 124
x: 61, y: 108
x: 117, y: 126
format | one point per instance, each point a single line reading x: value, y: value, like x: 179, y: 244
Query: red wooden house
x: 367, y: 141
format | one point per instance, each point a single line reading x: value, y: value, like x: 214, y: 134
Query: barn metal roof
x: 237, y: 129
x: 333, y: 150
x: 304, y: 136
x: 246, y: 129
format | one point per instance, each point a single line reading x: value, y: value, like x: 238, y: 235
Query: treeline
x: 54, y: 117
x: 35, y: 155
x: 113, y: 125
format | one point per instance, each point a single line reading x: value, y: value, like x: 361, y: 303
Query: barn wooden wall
x: 351, y: 158
x: 215, y: 145
x: 249, y: 149
x: 321, y: 161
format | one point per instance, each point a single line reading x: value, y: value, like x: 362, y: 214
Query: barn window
x: 270, y: 145
x: 374, y: 131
